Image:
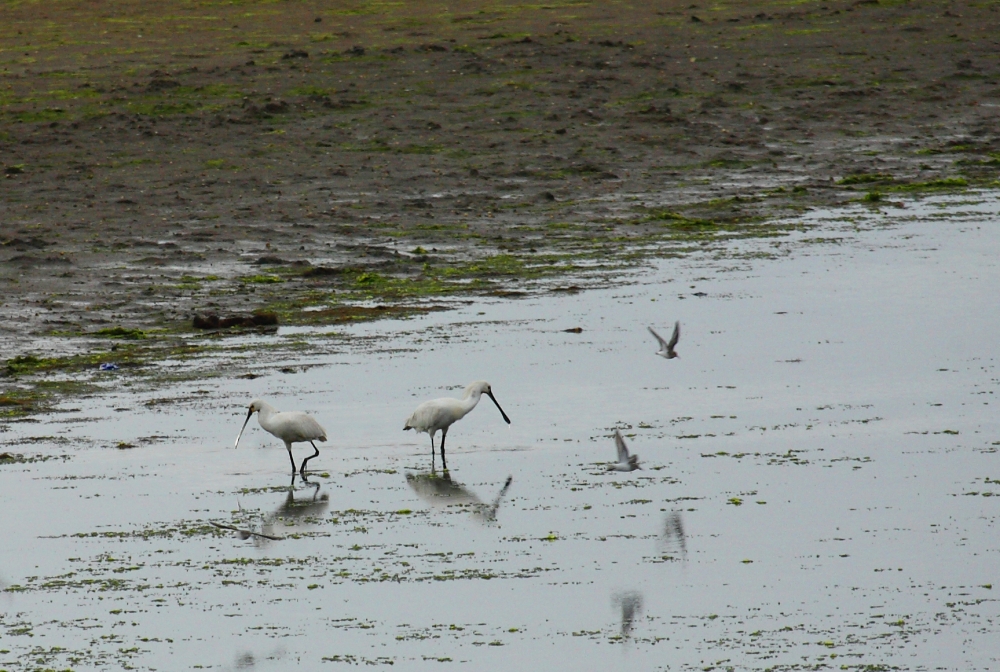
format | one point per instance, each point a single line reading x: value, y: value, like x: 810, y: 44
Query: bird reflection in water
x: 293, y: 508
x: 439, y: 490
x: 630, y: 603
x: 248, y: 661
x: 309, y: 504
x: 672, y: 537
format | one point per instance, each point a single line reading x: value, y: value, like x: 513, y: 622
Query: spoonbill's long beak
x: 505, y: 418
x: 249, y: 413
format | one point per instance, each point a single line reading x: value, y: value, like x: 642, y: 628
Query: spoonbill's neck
x: 470, y: 399
x: 265, y: 412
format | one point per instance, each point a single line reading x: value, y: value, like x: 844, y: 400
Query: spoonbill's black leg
x: 302, y: 467
x: 291, y: 459
x: 444, y: 434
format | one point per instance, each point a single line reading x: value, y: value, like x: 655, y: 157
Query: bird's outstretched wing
x: 676, y: 336
x: 622, y: 448
x: 663, y: 343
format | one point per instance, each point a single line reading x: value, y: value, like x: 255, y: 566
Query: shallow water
x: 817, y: 492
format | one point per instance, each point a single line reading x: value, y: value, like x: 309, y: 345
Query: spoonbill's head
x: 482, y: 387
x: 255, y: 406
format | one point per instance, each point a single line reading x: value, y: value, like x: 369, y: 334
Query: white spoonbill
x: 290, y: 426
x: 625, y: 461
x: 439, y: 414
x: 667, y: 347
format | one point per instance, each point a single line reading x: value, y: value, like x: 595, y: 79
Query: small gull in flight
x: 667, y: 347
x: 625, y: 461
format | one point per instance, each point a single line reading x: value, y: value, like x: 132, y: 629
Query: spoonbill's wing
x: 622, y: 448
x: 295, y: 426
x: 676, y: 336
x: 663, y: 343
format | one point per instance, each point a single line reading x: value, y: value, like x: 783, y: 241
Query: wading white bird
x: 625, y: 461
x: 439, y: 414
x: 667, y: 347
x: 290, y: 426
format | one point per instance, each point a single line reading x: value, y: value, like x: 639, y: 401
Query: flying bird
x: 290, y: 426
x: 625, y: 461
x: 440, y: 414
x: 667, y: 347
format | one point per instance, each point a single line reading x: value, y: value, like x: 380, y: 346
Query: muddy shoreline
x: 329, y: 163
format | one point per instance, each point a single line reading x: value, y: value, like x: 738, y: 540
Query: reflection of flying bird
x: 631, y: 606
x: 442, y: 491
x: 247, y: 660
x: 625, y: 461
x: 246, y: 534
x: 667, y: 347
x: 439, y: 414
x: 290, y: 426
x: 673, y: 532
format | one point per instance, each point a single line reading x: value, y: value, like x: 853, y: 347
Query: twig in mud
x: 244, y: 534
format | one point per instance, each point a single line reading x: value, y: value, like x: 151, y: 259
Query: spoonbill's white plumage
x: 667, y: 347
x: 290, y: 426
x: 439, y: 414
x: 625, y: 461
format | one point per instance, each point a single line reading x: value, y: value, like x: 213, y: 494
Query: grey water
x: 820, y: 481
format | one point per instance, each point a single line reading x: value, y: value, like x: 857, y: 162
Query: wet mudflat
x: 161, y: 160
x: 819, y: 484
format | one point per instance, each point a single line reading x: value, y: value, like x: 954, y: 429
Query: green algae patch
x: 340, y: 314
x: 262, y: 279
x: 122, y: 333
x: 931, y: 185
x: 865, y: 178
x: 7, y: 458
x: 678, y: 221
x: 28, y: 364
